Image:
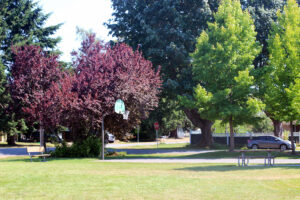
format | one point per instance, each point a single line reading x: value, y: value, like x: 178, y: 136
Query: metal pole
x: 157, y: 138
x: 138, y: 134
x: 103, y: 143
x: 41, y: 137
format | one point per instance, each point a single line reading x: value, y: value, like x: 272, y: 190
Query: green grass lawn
x: 91, y: 179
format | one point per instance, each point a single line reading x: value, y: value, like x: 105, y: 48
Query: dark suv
x: 269, y: 142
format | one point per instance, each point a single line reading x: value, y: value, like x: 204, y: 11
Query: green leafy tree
x: 295, y: 94
x: 284, y: 66
x: 221, y: 63
x: 264, y: 15
x: 23, y: 22
x: 166, y: 32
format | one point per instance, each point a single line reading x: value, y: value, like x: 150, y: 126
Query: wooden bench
x: 40, y: 150
x: 243, y: 160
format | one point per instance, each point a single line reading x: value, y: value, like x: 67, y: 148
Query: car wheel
x: 283, y: 147
x: 254, y: 146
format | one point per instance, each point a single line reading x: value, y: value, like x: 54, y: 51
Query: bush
x: 91, y: 147
x: 286, y: 135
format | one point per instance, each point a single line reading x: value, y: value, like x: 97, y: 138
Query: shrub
x: 91, y: 147
x: 286, y: 135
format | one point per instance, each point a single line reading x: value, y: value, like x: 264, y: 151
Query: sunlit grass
x: 93, y: 179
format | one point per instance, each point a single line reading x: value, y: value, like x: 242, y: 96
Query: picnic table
x: 269, y: 159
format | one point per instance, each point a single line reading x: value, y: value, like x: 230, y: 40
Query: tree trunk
x: 292, y: 137
x: 203, y: 124
x: 231, y: 135
x: 11, y: 140
x: 42, y: 137
x: 278, y: 129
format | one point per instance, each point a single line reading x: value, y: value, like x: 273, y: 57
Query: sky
x: 86, y: 14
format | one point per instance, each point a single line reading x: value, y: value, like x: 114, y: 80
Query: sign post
x: 103, y: 140
x: 138, y: 134
x: 120, y: 109
x: 156, y: 127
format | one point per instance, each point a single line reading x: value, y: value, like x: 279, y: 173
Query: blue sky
x: 86, y: 14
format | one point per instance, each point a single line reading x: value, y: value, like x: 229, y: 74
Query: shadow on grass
x: 232, y: 167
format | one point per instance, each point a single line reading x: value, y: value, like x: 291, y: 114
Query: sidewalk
x: 293, y: 162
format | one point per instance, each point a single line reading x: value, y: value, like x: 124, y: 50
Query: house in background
x: 286, y: 126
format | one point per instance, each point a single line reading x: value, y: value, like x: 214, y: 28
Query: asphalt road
x: 22, y: 151
x: 159, y: 151
x: 6, y: 152
x: 16, y: 151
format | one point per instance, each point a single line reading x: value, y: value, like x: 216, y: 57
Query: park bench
x: 37, y: 152
x: 243, y: 159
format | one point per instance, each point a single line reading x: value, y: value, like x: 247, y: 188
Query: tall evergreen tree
x: 221, y: 63
x: 23, y: 22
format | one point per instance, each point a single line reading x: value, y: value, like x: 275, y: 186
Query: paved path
x: 285, y: 162
x: 161, y: 151
x: 22, y: 151
x: 6, y: 152
x: 142, y: 144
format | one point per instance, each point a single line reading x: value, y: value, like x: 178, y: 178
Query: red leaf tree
x: 104, y: 74
x: 35, y: 85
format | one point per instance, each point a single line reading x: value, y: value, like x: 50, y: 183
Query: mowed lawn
x: 93, y: 179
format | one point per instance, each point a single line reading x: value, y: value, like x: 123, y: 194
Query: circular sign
x: 119, y: 107
x: 156, y: 125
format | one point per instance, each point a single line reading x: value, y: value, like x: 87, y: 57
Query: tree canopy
x: 105, y: 73
x: 283, y: 70
x: 33, y: 75
x: 166, y: 31
x: 222, y: 60
x: 23, y: 22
